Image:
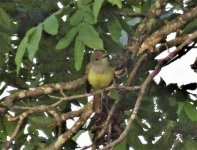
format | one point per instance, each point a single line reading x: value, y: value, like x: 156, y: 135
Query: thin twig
x: 105, y: 125
x: 174, y: 42
x: 58, y: 120
x: 135, y: 69
x: 180, y: 47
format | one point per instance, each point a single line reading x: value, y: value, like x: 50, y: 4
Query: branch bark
x: 9, y: 101
x: 173, y: 25
x: 75, y: 128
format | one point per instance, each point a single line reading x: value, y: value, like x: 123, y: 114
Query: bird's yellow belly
x: 100, y: 80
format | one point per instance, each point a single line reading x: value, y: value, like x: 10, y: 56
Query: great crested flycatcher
x: 99, y: 76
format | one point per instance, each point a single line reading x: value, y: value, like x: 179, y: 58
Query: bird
x: 99, y: 75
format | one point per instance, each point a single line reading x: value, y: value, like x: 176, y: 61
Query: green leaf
x: 191, y: 27
x: 41, y: 121
x: 90, y: 37
x: 20, y: 53
x: 116, y: 2
x: 96, y: 8
x: 132, y: 138
x: 5, y: 20
x: 34, y: 41
x: 89, y: 18
x: 77, y: 17
x: 4, y: 43
x: 78, y: 53
x: 21, y: 49
x: 134, y: 21
x: 77, y: 135
x: 114, y: 28
x: 51, y: 25
x: 121, y: 145
x: 180, y: 108
x: 190, y: 111
x: 115, y: 94
x: 67, y: 39
x: 189, y: 144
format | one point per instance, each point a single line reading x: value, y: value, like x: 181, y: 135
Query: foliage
x: 38, y: 46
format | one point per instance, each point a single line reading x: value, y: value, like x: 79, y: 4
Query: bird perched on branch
x: 99, y: 76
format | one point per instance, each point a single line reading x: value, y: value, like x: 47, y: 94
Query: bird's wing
x: 87, y: 84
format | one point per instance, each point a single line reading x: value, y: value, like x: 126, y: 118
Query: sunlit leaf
x: 51, y: 25
x: 90, y: 37
x: 134, y: 21
x: 96, y: 8
x: 78, y: 53
x: 116, y: 2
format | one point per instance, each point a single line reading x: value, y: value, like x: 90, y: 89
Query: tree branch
x: 144, y: 29
x: 133, y: 115
x: 174, y: 42
x: 75, y: 128
x: 142, y: 93
x: 173, y: 25
x: 8, y: 101
x: 188, y: 41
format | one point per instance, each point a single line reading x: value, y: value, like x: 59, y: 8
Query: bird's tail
x: 97, y: 103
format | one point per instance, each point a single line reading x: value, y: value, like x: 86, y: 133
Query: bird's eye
x: 96, y: 59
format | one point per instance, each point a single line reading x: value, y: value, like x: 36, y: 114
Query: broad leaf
x: 5, y: 20
x: 191, y: 27
x: 115, y: 94
x: 67, y: 39
x: 78, y: 53
x: 89, y: 18
x: 121, y: 145
x: 40, y: 121
x: 77, y: 17
x: 134, y: 21
x: 51, y: 25
x: 34, y: 41
x: 96, y: 8
x: 180, y: 108
x: 21, y: 49
x: 20, y: 53
x: 90, y: 37
x: 190, y: 111
x: 114, y: 28
x: 116, y: 2
x: 189, y: 144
